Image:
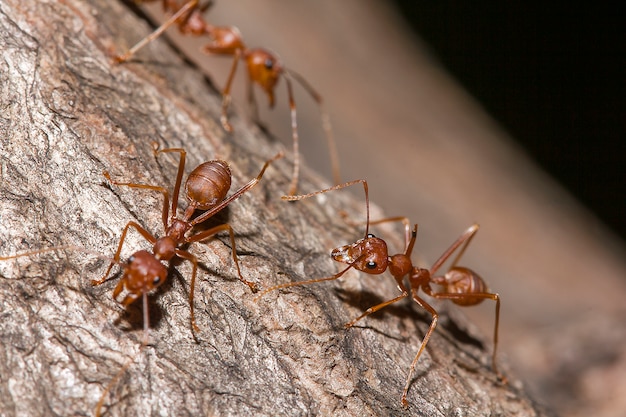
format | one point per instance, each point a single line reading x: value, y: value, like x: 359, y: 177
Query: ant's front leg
x: 376, y: 308
x: 116, y: 258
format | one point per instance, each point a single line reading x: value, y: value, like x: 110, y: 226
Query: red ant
x: 459, y: 284
x: 205, y: 188
x: 264, y: 69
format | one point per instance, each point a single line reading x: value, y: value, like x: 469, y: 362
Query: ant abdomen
x: 208, y: 184
x: 461, y: 280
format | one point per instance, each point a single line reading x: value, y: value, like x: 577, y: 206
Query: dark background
x: 553, y: 76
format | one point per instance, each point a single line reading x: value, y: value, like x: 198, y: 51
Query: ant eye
x: 371, y: 265
x: 269, y: 63
x: 156, y: 280
x: 369, y: 236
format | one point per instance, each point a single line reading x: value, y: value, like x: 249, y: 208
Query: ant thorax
x: 176, y: 230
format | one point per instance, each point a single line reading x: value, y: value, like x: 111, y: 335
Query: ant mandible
x: 459, y: 284
x: 264, y: 68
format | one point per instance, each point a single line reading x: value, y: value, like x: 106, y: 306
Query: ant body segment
x: 459, y: 284
x: 263, y: 68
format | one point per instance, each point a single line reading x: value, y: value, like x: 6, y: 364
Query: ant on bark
x: 264, y: 68
x: 205, y: 188
x: 459, y: 284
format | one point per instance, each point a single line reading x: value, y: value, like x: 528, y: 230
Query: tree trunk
x: 68, y: 114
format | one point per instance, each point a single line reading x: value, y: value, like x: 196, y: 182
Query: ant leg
x: 254, y: 108
x: 377, y: 307
x: 151, y: 37
x: 116, y: 257
x: 333, y: 188
x: 430, y: 331
x: 191, y: 258
x: 293, y: 186
x: 226, y: 97
x: 245, y: 188
x: 481, y: 296
x: 328, y: 131
x: 39, y: 251
x: 296, y: 283
x: 464, y: 240
x: 166, y: 194
x: 404, y: 294
x: 179, y: 176
x: 144, y: 343
x: 214, y: 230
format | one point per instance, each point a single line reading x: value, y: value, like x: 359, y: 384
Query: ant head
x: 265, y: 69
x: 368, y: 255
x: 208, y: 184
x: 142, y: 273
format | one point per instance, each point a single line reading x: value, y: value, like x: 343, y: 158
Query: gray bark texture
x: 68, y: 113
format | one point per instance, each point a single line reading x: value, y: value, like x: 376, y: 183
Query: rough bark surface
x: 68, y: 114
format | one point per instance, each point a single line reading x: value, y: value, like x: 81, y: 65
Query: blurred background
x: 552, y: 76
x: 510, y: 116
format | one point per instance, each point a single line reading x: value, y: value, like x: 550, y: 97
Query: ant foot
x: 253, y: 287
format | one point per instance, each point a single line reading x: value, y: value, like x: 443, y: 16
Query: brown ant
x: 459, y: 284
x: 205, y: 188
x: 264, y: 69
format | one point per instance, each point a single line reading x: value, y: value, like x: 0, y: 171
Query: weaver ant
x: 264, y: 68
x: 205, y: 188
x: 459, y: 284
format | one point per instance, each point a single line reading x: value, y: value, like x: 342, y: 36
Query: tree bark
x: 68, y: 114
